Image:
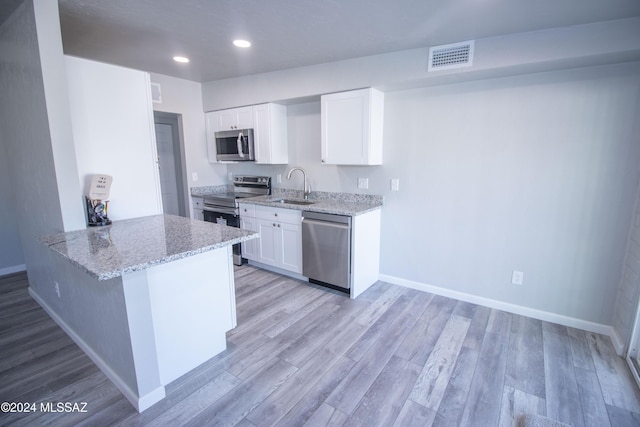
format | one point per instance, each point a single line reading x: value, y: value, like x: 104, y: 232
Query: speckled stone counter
x: 148, y: 299
x: 210, y: 190
x: 334, y: 203
x: 139, y: 243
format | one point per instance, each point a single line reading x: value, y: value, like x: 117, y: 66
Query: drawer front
x: 247, y: 210
x: 290, y: 216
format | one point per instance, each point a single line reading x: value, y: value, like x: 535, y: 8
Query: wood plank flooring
x: 305, y: 355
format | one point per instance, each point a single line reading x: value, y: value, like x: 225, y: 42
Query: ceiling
x: 146, y: 34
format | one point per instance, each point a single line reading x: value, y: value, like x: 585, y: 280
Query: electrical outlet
x: 279, y: 178
x: 230, y: 176
x: 363, y: 183
x: 194, y: 176
x: 517, y: 277
x: 395, y: 184
x: 57, y: 287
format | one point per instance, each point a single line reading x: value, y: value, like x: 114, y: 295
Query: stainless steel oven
x: 222, y: 208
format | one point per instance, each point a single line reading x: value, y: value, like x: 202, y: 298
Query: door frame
x: 175, y: 121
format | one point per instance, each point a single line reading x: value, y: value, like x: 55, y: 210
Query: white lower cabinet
x: 280, y: 245
x: 280, y: 241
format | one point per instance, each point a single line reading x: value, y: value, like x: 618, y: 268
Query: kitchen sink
x: 293, y: 201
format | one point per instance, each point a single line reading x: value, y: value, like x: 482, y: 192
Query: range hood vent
x: 448, y: 56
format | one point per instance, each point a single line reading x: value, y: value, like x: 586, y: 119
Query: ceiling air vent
x: 448, y: 56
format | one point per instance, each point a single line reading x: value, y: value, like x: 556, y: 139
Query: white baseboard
x: 13, y: 269
x: 139, y: 402
x: 512, y: 308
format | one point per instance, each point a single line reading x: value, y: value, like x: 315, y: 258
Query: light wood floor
x: 304, y: 355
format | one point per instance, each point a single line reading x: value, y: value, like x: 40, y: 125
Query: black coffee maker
x: 96, y: 202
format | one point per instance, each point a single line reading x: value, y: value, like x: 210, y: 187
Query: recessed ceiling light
x: 242, y: 43
x: 181, y: 59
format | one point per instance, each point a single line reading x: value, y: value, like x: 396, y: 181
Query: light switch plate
x: 363, y: 183
x: 517, y: 277
x: 395, y: 184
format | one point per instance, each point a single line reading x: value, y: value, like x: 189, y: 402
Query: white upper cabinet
x: 231, y: 119
x: 269, y: 124
x: 351, y: 127
x: 270, y: 133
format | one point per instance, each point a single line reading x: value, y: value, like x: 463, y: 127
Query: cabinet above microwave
x: 269, y: 124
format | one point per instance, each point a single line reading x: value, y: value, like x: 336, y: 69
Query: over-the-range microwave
x: 235, y: 145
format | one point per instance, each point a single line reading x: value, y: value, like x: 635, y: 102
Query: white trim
x: 13, y: 269
x: 511, y: 308
x: 618, y: 343
x: 139, y: 402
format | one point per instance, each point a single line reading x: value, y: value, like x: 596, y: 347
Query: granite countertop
x: 332, y: 203
x: 136, y: 244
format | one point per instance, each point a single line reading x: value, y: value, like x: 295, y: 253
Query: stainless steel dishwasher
x: 326, y: 249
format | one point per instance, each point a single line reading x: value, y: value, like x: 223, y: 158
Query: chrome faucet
x: 306, y: 190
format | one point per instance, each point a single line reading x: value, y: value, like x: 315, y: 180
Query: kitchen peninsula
x: 148, y: 299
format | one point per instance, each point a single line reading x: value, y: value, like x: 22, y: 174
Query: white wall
x: 536, y: 51
x: 536, y: 173
x: 40, y: 157
x: 184, y: 97
x: 11, y: 256
x: 113, y: 130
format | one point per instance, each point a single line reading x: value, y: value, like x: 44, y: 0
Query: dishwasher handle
x: 311, y: 222
x: 325, y: 217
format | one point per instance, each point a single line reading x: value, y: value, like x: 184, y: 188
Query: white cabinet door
x: 267, y: 251
x: 270, y: 134
x: 291, y: 246
x: 351, y: 127
x: 280, y: 242
x: 233, y: 118
x: 244, y: 118
x: 226, y: 120
x: 249, y: 248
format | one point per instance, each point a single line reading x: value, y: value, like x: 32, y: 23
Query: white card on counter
x: 100, y: 187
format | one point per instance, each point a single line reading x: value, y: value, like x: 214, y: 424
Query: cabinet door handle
x: 274, y: 224
x: 275, y: 214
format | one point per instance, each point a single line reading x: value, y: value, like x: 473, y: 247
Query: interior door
x: 170, y: 163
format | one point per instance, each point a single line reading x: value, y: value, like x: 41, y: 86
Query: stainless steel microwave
x: 235, y: 145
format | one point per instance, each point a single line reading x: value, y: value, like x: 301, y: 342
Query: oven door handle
x: 230, y: 211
